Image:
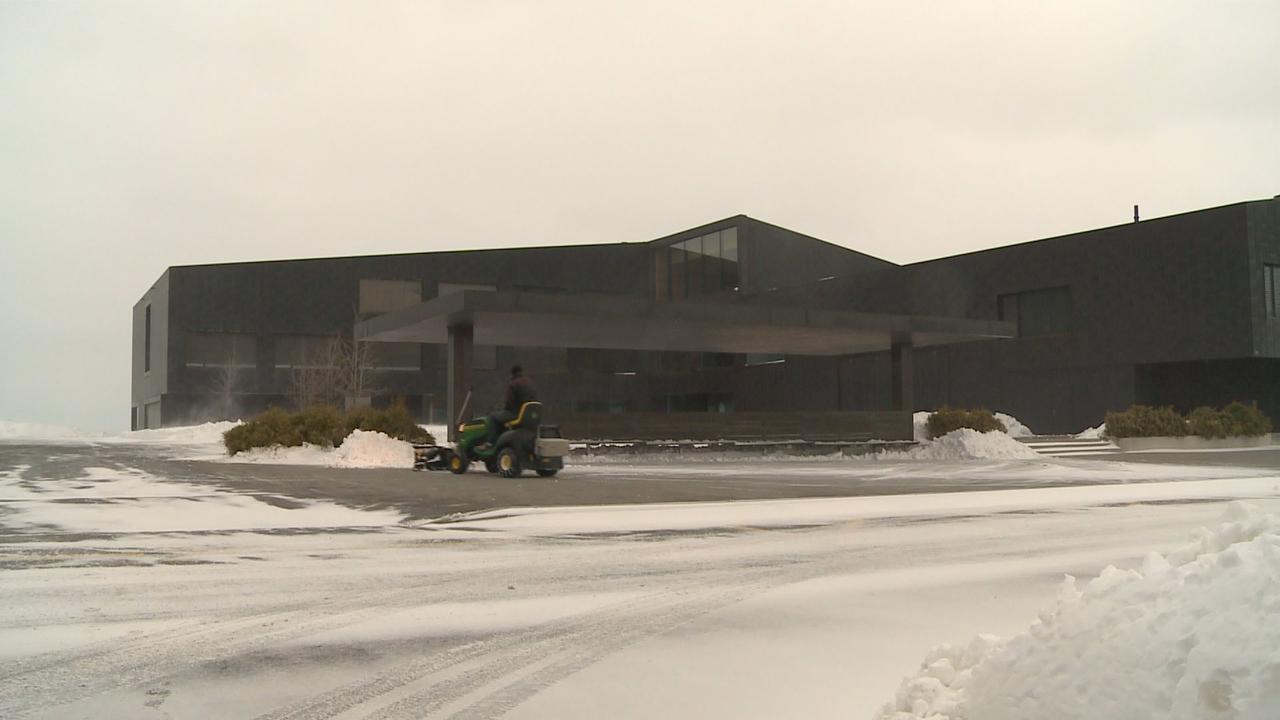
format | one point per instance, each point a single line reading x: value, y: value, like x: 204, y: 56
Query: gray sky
x: 134, y: 136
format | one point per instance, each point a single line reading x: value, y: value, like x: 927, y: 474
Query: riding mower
x: 523, y: 443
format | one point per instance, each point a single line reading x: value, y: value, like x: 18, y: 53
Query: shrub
x: 1245, y: 420
x: 394, y: 421
x: 1206, y: 422
x: 1234, y: 420
x: 947, y: 419
x: 273, y: 427
x: 1146, y: 421
x: 320, y: 425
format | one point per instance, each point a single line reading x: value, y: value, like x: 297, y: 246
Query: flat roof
x: 534, y: 319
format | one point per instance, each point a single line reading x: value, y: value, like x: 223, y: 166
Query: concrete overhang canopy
x: 534, y: 319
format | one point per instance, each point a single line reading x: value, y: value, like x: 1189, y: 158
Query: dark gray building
x: 1180, y: 310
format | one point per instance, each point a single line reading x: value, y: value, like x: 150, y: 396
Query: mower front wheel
x: 508, y: 462
x: 491, y: 464
x: 458, y: 464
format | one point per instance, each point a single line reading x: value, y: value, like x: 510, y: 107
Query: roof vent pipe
x: 1135, y: 213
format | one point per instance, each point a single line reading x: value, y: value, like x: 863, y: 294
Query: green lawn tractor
x: 524, y: 443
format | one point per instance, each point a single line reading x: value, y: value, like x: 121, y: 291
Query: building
x: 1180, y: 310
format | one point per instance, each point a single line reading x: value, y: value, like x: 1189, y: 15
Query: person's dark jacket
x: 520, y: 391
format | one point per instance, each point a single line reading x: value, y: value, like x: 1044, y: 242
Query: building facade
x: 1181, y: 310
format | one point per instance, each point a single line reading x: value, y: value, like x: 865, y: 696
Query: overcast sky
x: 134, y: 136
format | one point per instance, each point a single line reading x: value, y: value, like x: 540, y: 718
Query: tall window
x: 703, y: 265
x: 1271, y: 289
x: 306, y: 351
x: 146, y: 341
x: 1038, y: 312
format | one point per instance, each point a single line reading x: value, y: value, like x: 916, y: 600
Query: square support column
x: 461, y: 342
x: 900, y: 358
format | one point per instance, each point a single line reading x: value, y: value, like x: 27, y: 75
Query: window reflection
x: 703, y: 265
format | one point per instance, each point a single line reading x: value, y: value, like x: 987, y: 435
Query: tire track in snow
x: 369, y: 690
x: 504, y: 682
x: 488, y: 677
x: 63, y: 677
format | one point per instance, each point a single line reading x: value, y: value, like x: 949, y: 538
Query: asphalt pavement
x: 425, y: 495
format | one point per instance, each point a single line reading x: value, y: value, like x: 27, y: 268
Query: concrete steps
x: 1068, y: 446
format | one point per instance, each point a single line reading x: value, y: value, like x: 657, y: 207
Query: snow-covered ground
x: 1191, y: 634
x: 130, y: 592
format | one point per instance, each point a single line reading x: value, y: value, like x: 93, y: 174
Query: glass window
x: 382, y: 296
x: 694, y: 266
x: 443, y: 289
x: 617, y: 362
x: 397, y: 356
x: 542, y: 360
x: 146, y: 343
x: 221, y: 350
x: 729, y: 252
x: 306, y: 351
x: 1271, y: 289
x: 1038, y: 312
x: 765, y: 358
x: 713, y: 273
x: 703, y: 265
x: 484, y: 357
x: 679, y: 288
x: 662, y: 274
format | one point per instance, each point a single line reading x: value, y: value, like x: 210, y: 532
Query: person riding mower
x: 524, y: 442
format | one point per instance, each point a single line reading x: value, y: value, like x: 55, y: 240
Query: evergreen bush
x: 321, y: 425
x: 1206, y: 422
x: 1243, y: 420
x: 394, y: 421
x: 947, y: 419
x: 1146, y: 421
x: 273, y: 427
x: 1234, y: 420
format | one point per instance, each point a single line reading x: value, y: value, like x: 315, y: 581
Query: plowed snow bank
x: 1191, y: 635
x: 966, y: 444
x: 361, y: 449
x: 1013, y: 426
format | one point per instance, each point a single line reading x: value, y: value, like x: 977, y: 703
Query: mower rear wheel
x: 508, y: 462
x: 458, y: 464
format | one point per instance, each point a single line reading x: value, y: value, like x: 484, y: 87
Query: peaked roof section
x: 741, y: 219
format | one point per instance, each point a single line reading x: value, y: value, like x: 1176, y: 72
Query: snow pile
x: 1013, y: 426
x: 920, y: 425
x: 366, y: 449
x: 361, y: 449
x: 966, y: 444
x: 1094, y: 433
x: 1190, y: 635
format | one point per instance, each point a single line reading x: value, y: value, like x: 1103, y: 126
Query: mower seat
x: 530, y: 416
